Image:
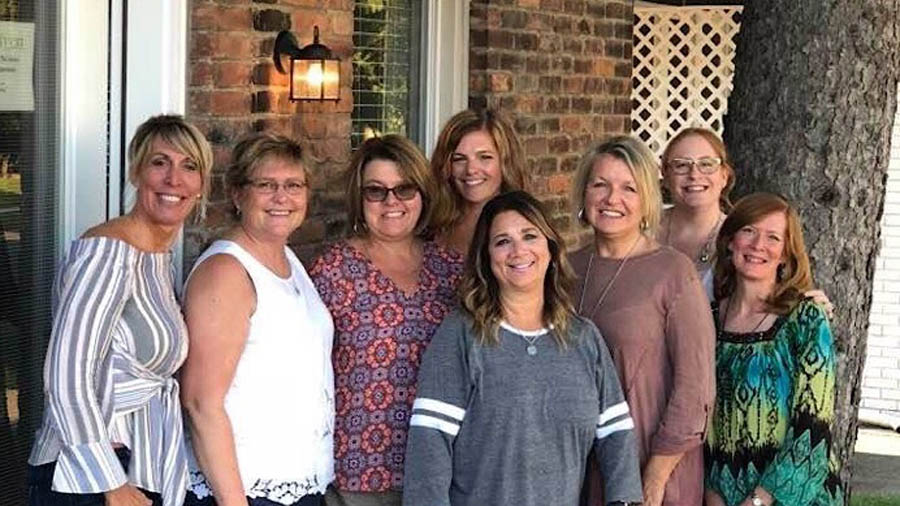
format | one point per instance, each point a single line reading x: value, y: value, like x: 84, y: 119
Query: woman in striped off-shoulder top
x: 112, y: 431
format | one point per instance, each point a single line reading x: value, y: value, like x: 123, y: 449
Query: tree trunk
x: 810, y: 118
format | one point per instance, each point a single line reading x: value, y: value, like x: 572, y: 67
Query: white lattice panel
x: 683, y: 66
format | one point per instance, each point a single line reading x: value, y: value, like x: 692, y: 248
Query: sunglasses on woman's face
x: 405, y: 191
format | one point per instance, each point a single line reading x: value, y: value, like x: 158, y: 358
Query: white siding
x: 881, y: 377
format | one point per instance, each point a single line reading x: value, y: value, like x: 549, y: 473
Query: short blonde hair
x: 181, y: 135
x: 412, y: 166
x: 644, y: 169
x: 256, y: 148
x: 449, y: 205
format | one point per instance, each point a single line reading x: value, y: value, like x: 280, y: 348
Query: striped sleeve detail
x: 435, y: 414
x: 614, y: 419
x: 92, y: 288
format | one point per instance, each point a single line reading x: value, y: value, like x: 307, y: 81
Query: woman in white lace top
x: 257, y: 384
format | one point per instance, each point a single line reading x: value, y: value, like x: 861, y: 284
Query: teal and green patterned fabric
x: 774, y: 409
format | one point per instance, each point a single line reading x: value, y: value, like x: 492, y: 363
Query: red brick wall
x: 234, y: 88
x: 562, y: 70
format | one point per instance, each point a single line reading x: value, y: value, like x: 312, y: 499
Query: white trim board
x: 445, y: 41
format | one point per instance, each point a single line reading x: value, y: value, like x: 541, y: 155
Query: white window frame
x: 83, y: 75
x: 445, y: 66
x: 150, y: 78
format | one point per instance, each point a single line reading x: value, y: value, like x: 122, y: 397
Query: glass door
x: 29, y: 190
x: 54, y: 90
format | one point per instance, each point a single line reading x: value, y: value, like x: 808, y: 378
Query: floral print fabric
x: 380, y: 335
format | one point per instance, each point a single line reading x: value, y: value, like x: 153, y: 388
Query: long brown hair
x: 448, y: 204
x: 479, y: 290
x: 719, y: 147
x: 794, y: 275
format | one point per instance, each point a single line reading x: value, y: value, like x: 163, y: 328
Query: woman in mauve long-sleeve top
x: 650, y: 308
x: 111, y: 433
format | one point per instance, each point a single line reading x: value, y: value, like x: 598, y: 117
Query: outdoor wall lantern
x: 315, y: 72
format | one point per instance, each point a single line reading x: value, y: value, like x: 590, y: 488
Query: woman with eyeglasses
x: 388, y: 289
x: 699, y: 176
x: 477, y: 156
x: 257, y: 383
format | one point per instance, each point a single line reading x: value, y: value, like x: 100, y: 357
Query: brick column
x: 234, y: 88
x: 562, y: 70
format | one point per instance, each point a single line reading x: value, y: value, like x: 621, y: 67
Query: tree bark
x: 810, y: 118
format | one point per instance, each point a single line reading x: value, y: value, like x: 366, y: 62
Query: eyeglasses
x: 270, y: 186
x: 405, y: 191
x: 683, y: 166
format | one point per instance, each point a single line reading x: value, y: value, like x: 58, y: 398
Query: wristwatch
x: 755, y: 500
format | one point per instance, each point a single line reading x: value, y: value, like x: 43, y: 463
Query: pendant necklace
x: 531, y: 349
x: 725, y: 321
x: 706, y: 252
x: 609, y: 284
x: 530, y: 338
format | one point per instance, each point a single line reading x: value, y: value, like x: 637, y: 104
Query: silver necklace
x: 531, y: 348
x: 531, y: 340
x: 706, y: 252
x: 609, y: 284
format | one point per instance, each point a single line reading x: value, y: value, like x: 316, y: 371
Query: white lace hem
x: 282, y: 492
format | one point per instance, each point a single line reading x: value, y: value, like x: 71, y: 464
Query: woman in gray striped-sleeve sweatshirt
x: 515, y: 389
x: 112, y: 431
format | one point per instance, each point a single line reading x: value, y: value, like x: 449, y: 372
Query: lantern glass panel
x: 331, y: 80
x: 315, y: 80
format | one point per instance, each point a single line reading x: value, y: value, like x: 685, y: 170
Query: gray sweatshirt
x: 497, y: 425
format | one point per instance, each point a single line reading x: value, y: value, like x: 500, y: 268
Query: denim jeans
x: 40, y: 479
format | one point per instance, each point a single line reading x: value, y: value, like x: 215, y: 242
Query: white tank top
x: 281, y: 401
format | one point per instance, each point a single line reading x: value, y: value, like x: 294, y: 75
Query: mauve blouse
x: 657, y: 323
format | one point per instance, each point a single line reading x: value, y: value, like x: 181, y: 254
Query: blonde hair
x: 719, y: 147
x: 480, y: 291
x: 449, y: 203
x: 644, y: 170
x: 794, y: 276
x: 184, y: 138
x: 255, y: 149
x: 412, y: 166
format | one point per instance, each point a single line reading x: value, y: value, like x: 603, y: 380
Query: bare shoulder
x: 116, y: 228
x: 220, y: 276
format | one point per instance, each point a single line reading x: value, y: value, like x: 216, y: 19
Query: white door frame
x: 445, y: 65
x: 136, y: 52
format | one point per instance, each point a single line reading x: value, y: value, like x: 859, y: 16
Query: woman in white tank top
x: 257, y: 384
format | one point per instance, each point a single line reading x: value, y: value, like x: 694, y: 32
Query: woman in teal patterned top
x: 770, y: 439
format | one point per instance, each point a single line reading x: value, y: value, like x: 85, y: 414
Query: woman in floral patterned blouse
x: 387, y: 290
